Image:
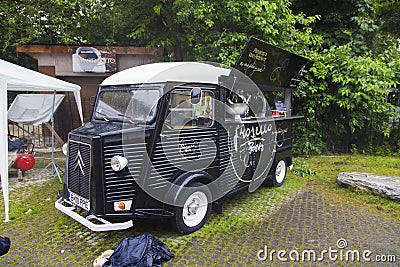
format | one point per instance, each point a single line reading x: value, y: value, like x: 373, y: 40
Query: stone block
x: 386, y: 186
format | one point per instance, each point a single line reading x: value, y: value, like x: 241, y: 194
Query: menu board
x: 269, y: 65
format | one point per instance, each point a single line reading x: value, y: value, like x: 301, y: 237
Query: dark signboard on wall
x: 94, y: 59
x: 268, y: 65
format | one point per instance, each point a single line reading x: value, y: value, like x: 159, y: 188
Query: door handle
x: 164, y: 135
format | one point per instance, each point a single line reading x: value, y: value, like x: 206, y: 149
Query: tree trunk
x: 178, y: 51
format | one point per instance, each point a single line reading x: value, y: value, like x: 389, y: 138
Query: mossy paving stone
x: 40, y: 247
x: 281, y: 218
x: 321, y: 221
x: 310, y: 221
x: 213, y: 247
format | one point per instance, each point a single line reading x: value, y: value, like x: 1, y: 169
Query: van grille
x: 79, y: 166
x: 121, y: 185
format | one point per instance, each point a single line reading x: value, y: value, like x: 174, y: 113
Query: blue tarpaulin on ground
x: 139, y: 251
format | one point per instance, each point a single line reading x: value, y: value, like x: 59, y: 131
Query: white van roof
x: 168, y: 71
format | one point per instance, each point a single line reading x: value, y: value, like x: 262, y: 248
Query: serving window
x: 186, y: 112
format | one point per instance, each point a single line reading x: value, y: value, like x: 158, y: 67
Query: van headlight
x: 118, y: 163
x: 65, y: 149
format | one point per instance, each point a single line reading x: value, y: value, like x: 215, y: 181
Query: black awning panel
x: 270, y: 66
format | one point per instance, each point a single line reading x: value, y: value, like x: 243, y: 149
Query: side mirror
x: 195, y: 95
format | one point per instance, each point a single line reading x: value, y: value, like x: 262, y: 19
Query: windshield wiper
x: 128, y: 118
x: 104, y: 116
x: 107, y: 119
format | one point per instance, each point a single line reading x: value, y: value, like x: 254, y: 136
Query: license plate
x: 79, y: 201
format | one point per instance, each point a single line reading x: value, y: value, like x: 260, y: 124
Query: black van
x: 174, y: 139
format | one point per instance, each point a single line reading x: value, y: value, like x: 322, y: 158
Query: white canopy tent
x: 34, y: 109
x: 17, y: 78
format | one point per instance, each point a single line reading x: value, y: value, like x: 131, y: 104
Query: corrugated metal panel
x: 169, y: 158
x: 121, y: 185
x: 79, y: 166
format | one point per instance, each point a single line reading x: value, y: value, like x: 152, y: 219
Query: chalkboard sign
x: 269, y: 65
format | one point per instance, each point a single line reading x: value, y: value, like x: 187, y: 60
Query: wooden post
x: 59, y: 140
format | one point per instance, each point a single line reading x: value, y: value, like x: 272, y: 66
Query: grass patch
x: 327, y: 168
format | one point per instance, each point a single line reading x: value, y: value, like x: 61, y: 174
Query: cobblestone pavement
x: 309, y: 222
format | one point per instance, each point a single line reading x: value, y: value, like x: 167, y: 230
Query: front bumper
x: 102, y: 225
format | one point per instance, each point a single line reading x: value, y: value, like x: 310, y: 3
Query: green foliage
x: 217, y: 30
x: 345, y: 98
x: 301, y: 168
x: 308, y: 139
x: 389, y: 13
x: 353, y: 43
x: 343, y: 21
x: 55, y: 22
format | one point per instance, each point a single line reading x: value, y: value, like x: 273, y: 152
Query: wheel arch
x: 184, y: 180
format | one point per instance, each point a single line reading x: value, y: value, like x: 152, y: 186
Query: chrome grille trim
x: 78, y: 182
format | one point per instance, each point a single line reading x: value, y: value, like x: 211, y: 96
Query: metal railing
x: 66, y: 118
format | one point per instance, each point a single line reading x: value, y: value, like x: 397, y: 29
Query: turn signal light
x: 123, y: 205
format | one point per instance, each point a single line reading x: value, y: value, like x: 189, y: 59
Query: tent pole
x: 4, y: 147
x: 54, y: 167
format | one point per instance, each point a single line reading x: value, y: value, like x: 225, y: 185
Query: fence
x: 66, y: 118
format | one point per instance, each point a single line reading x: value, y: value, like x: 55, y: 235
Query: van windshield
x: 137, y: 105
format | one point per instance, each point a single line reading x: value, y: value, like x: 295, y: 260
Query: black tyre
x: 194, y: 208
x: 278, y: 174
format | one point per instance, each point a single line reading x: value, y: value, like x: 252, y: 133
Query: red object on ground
x: 24, y: 161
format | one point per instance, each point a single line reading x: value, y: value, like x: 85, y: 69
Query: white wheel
x: 277, y: 175
x: 280, y: 172
x: 194, y: 208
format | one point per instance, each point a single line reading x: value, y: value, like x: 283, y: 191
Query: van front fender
x: 184, y: 180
